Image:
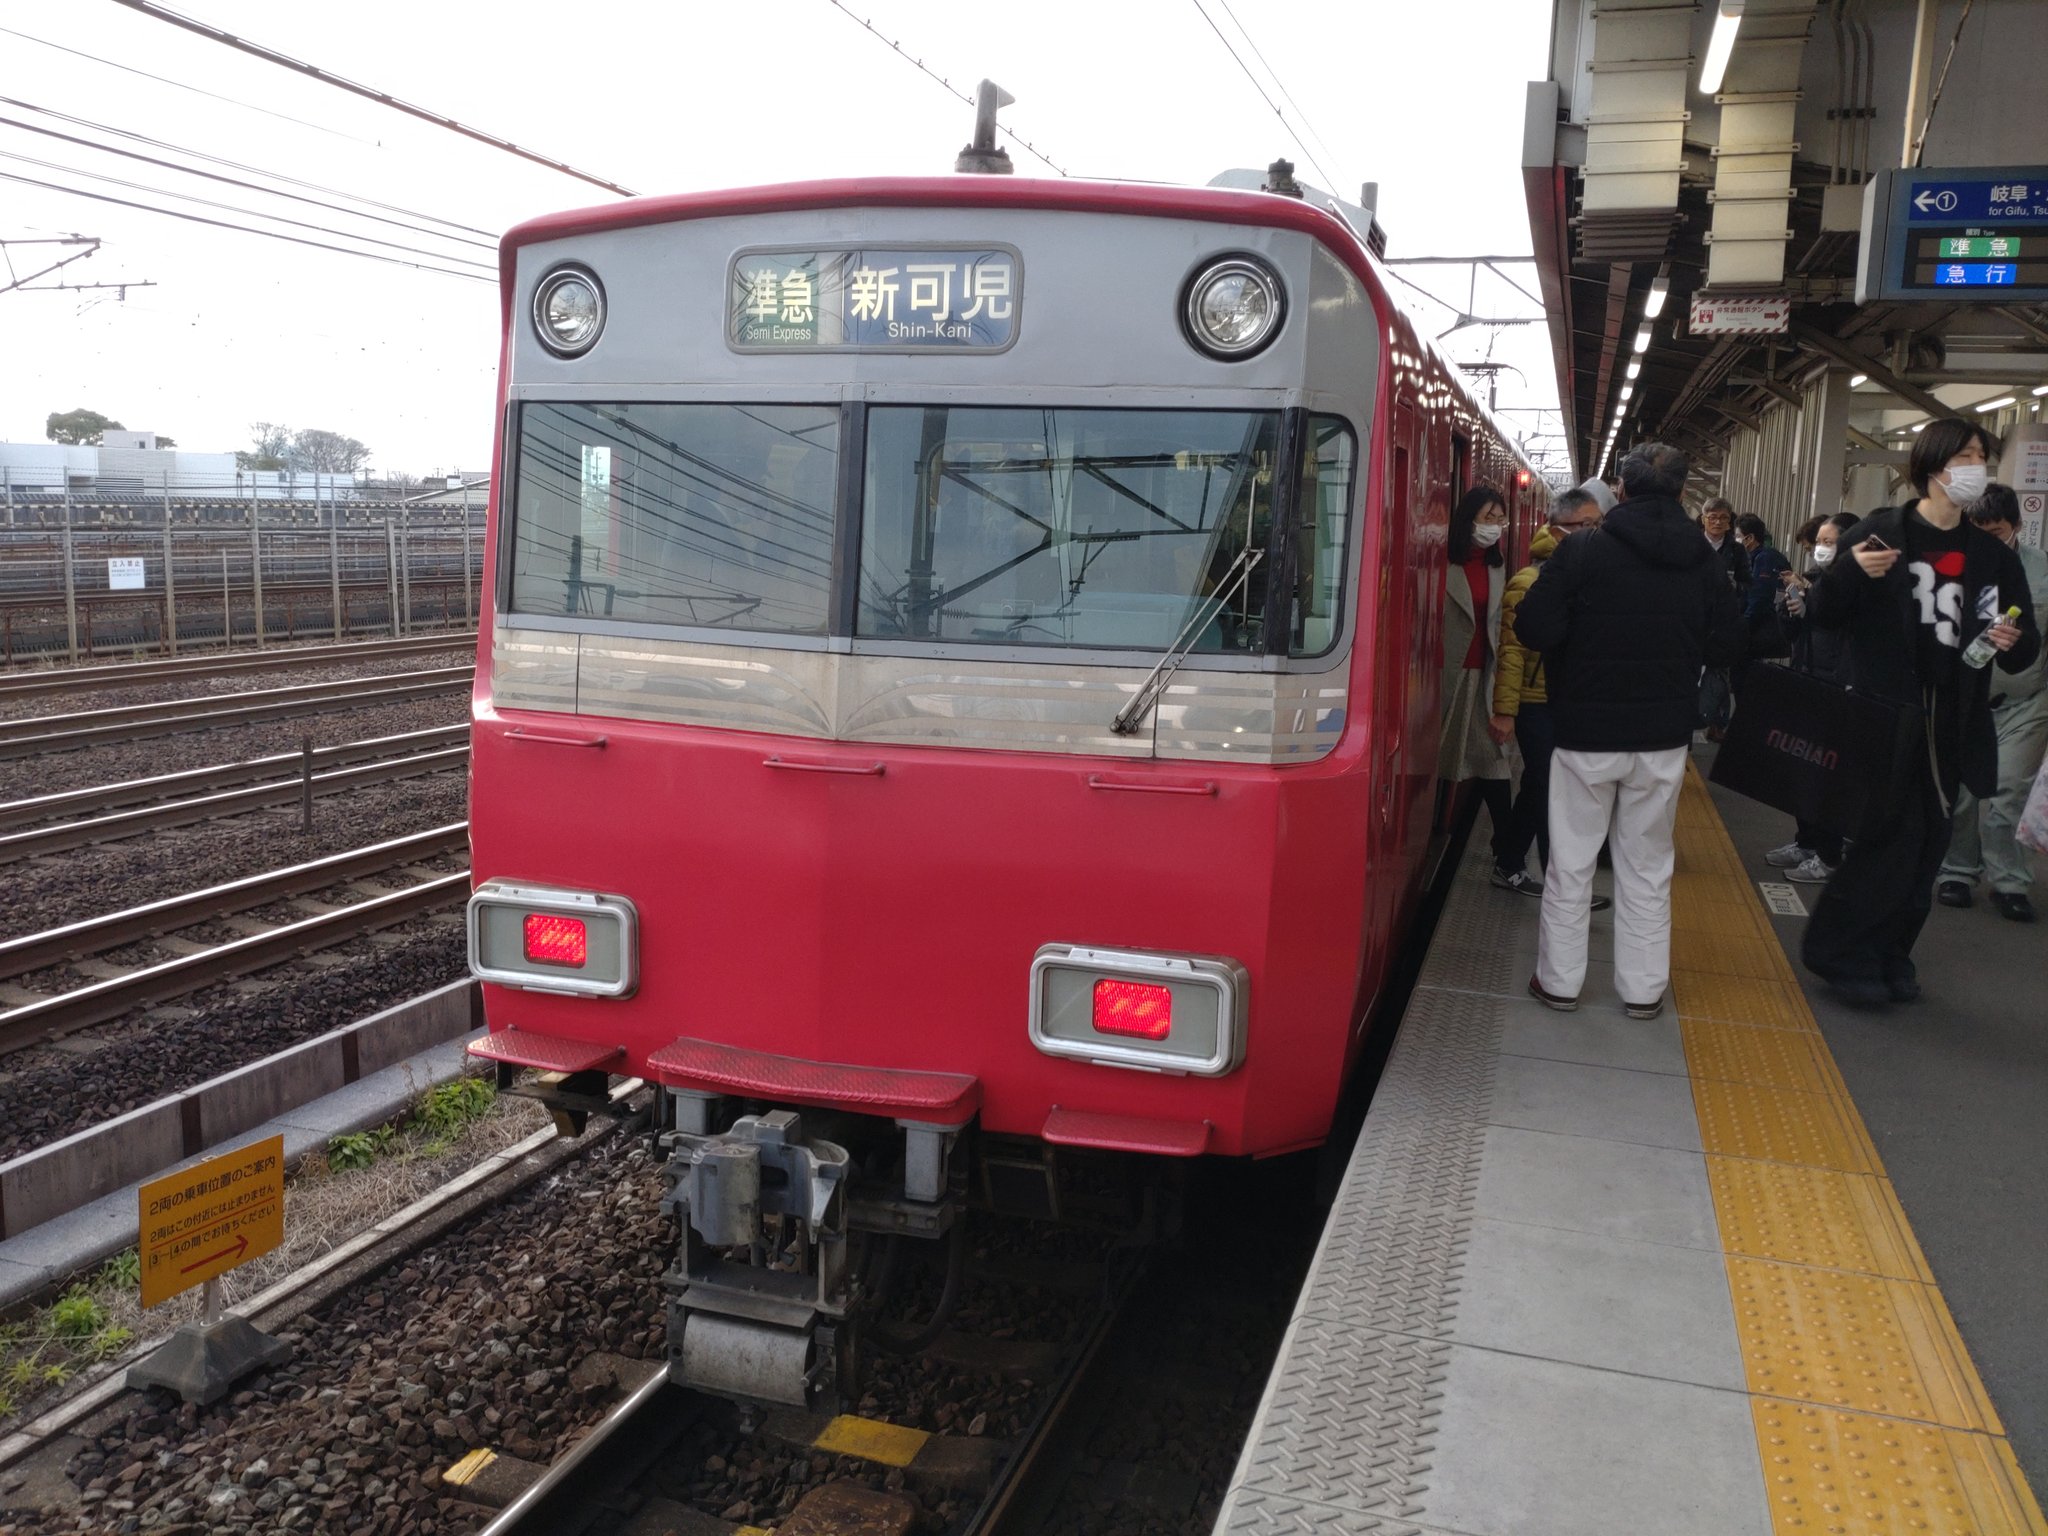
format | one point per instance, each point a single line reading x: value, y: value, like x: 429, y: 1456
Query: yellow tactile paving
x: 872, y: 1440
x: 1781, y: 1125
x: 1739, y: 1000
x: 1851, y: 1474
x: 1870, y: 1418
x: 1743, y: 1053
x: 1856, y: 1342
x: 1813, y: 1216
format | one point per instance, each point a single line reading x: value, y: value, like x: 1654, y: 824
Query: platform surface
x: 1588, y: 1276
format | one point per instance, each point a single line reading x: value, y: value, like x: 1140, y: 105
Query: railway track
x: 49, y: 1018
x: 175, y: 669
x: 41, y: 734
x: 229, y: 789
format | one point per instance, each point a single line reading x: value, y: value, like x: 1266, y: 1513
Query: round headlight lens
x: 568, y: 311
x: 1234, y: 307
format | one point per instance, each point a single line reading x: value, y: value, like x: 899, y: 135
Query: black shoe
x: 1859, y: 992
x: 1601, y: 903
x: 1643, y: 1010
x: 1551, y: 1000
x: 1903, y: 989
x: 2013, y: 905
x: 1516, y: 880
x: 1952, y: 893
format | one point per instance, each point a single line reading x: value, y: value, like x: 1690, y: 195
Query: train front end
x: 917, y: 711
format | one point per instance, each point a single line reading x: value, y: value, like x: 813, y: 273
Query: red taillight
x: 555, y: 940
x: 1133, y: 1008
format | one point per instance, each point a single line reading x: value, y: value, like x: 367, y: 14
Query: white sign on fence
x: 124, y: 575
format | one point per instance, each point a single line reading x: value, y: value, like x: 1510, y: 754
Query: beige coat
x: 1466, y: 751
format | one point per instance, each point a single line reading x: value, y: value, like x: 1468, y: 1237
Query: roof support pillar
x: 1830, y: 442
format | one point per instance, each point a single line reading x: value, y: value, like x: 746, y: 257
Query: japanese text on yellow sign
x: 200, y: 1222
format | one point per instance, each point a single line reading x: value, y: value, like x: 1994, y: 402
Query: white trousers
x: 1628, y: 800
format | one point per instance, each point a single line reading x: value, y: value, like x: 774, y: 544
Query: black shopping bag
x: 1828, y: 755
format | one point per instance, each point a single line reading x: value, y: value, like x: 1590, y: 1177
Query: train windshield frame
x: 911, y: 527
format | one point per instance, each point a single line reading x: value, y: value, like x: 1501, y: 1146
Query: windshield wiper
x: 1155, y: 682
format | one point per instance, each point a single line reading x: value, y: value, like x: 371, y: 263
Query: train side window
x: 1323, y: 535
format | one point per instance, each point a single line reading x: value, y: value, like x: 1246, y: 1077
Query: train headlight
x: 1136, y: 1008
x: 1234, y: 307
x: 568, y: 311
x: 551, y: 940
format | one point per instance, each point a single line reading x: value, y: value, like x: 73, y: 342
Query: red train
x: 961, y: 672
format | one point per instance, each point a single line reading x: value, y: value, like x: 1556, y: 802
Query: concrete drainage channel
x: 62, y: 1206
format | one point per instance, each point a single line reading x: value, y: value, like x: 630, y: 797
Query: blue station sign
x: 875, y: 300
x: 1976, y: 233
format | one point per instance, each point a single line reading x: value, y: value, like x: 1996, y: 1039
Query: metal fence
x: 78, y: 592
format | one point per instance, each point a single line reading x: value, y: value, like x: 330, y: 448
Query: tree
x: 327, y: 452
x: 273, y: 444
x: 165, y: 442
x: 79, y: 427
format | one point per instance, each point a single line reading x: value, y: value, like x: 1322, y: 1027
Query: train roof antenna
x: 983, y: 157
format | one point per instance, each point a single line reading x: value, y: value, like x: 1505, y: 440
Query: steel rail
x: 101, y: 798
x: 122, y: 714
x: 95, y: 935
x: 313, y: 703
x: 173, y: 668
x: 110, y: 828
x: 53, y: 1017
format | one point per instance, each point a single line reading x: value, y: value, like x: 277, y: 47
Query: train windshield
x: 1108, y: 529
x: 716, y: 516
x: 1103, y: 529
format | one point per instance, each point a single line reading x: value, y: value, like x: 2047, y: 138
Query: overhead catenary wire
x: 369, y: 93
x: 275, y: 218
x: 172, y: 213
x: 237, y: 165
x: 233, y: 181
x: 1286, y: 94
x: 247, y: 106
x: 926, y: 69
x: 1238, y: 59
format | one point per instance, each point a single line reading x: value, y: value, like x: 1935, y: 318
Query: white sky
x: 1427, y: 100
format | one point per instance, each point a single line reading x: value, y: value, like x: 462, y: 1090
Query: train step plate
x: 932, y: 1098
x: 544, y: 1053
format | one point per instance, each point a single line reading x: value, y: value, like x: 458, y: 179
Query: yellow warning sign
x: 202, y: 1221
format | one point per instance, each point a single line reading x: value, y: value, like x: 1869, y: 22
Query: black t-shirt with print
x: 1934, y: 563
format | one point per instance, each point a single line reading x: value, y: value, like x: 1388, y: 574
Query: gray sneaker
x: 1517, y: 880
x: 1812, y: 871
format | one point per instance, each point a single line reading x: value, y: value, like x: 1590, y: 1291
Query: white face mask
x: 1823, y: 553
x: 1486, y: 535
x: 1966, y: 483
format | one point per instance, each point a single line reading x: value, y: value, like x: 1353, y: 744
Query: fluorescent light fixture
x: 1635, y: 366
x: 1859, y: 381
x: 1643, y: 339
x: 1627, y: 390
x: 2040, y: 389
x: 1999, y: 404
x: 1916, y: 426
x: 1653, y: 306
x: 1727, y: 21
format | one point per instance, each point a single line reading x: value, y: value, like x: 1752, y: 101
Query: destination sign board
x: 875, y: 300
x: 200, y: 1222
x: 1970, y: 233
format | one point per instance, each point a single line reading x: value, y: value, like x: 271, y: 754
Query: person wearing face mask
x: 1983, y: 842
x: 1916, y: 585
x: 1814, y: 853
x: 1470, y: 751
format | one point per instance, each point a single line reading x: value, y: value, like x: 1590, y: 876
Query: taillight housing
x: 547, y: 939
x: 1141, y: 1009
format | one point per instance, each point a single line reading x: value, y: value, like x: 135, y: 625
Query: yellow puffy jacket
x: 1519, y: 677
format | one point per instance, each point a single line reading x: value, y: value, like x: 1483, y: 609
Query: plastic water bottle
x: 1981, y: 650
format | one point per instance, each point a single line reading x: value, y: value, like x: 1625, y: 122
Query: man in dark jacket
x: 1918, y: 583
x: 1625, y: 616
